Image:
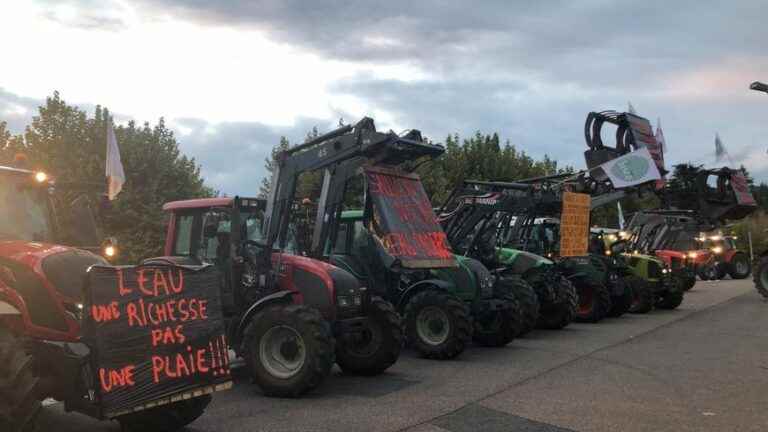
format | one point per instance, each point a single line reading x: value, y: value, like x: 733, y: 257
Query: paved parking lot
x: 703, y: 367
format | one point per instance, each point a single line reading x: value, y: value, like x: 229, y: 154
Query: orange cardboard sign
x: 574, y: 224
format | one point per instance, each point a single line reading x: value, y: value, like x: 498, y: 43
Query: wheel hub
x: 433, y: 325
x: 282, y: 351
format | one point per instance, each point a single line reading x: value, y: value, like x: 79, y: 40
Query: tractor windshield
x: 24, y: 211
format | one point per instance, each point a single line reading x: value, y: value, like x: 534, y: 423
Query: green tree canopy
x: 71, y: 145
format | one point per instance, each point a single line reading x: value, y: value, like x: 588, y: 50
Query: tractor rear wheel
x: 379, y: 345
x: 166, y: 418
x: 620, y: 304
x: 594, y: 302
x: 19, y: 401
x: 642, y: 296
x: 689, y: 281
x: 740, y: 267
x: 526, y: 298
x: 437, y: 324
x: 760, y: 276
x: 498, y: 328
x: 289, y: 349
x: 560, y: 313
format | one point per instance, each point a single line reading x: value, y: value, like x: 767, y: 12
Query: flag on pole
x: 631, y: 109
x: 662, y: 149
x: 114, y: 169
x: 621, y: 215
x: 631, y: 169
x: 720, y: 151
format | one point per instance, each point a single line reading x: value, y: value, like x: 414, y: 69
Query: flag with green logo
x: 632, y: 169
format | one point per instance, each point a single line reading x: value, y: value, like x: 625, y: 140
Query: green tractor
x: 398, y: 250
x: 653, y: 282
x: 470, y: 282
x: 474, y: 223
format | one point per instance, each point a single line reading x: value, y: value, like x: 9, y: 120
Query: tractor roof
x: 199, y: 203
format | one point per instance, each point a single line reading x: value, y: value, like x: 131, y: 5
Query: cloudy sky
x: 231, y: 77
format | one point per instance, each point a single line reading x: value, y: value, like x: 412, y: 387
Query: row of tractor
x: 380, y: 271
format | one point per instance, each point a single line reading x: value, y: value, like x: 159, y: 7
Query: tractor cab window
x: 215, y: 241
x: 24, y: 211
x: 341, y: 239
x: 252, y: 226
x: 183, y: 245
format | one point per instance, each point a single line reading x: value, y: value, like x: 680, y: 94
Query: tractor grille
x: 66, y: 270
x: 654, y: 270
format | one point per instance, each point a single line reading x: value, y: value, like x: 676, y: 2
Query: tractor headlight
x: 693, y: 255
x: 41, y: 177
x: 717, y: 249
x: 344, y: 301
x: 664, y: 270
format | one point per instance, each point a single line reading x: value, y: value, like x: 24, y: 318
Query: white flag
x: 630, y: 108
x: 115, y: 174
x: 631, y: 169
x: 660, y: 136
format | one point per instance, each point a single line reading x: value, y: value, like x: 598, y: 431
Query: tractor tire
x: 688, y: 282
x: 299, y: 335
x: 594, y: 302
x: 642, y: 296
x: 740, y: 267
x: 722, y: 272
x: 526, y: 298
x: 498, y: 328
x: 621, y: 304
x: 166, y: 418
x: 760, y: 276
x: 557, y: 315
x: 19, y: 398
x: 670, y: 300
x: 437, y: 325
x: 379, y: 346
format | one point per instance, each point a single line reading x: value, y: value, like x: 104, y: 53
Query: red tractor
x: 725, y: 257
x: 42, y: 350
x: 290, y: 317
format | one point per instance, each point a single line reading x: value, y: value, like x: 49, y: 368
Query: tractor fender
x: 274, y: 298
x: 8, y: 309
x: 419, y: 286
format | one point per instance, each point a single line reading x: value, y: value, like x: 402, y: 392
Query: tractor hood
x: 520, y: 261
x: 61, y: 266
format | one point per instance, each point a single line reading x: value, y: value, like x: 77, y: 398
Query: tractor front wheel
x: 560, y: 313
x: 621, y: 304
x: 437, y: 325
x: 740, y: 267
x: 19, y: 401
x: 594, y: 302
x: 670, y: 300
x: 526, y: 298
x: 642, y: 296
x: 289, y: 349
x: 166, y: 418
x: 498, y: 328
x: 377, y: 347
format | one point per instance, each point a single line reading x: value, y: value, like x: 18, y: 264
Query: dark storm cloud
x: 592, y: 42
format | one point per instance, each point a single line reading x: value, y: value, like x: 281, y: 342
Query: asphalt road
x: 702, y: 367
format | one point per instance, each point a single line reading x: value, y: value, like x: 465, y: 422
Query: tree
x: 66, y: 142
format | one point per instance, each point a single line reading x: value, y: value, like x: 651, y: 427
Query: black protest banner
x: 156, y: 331
x: 403, y: 221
